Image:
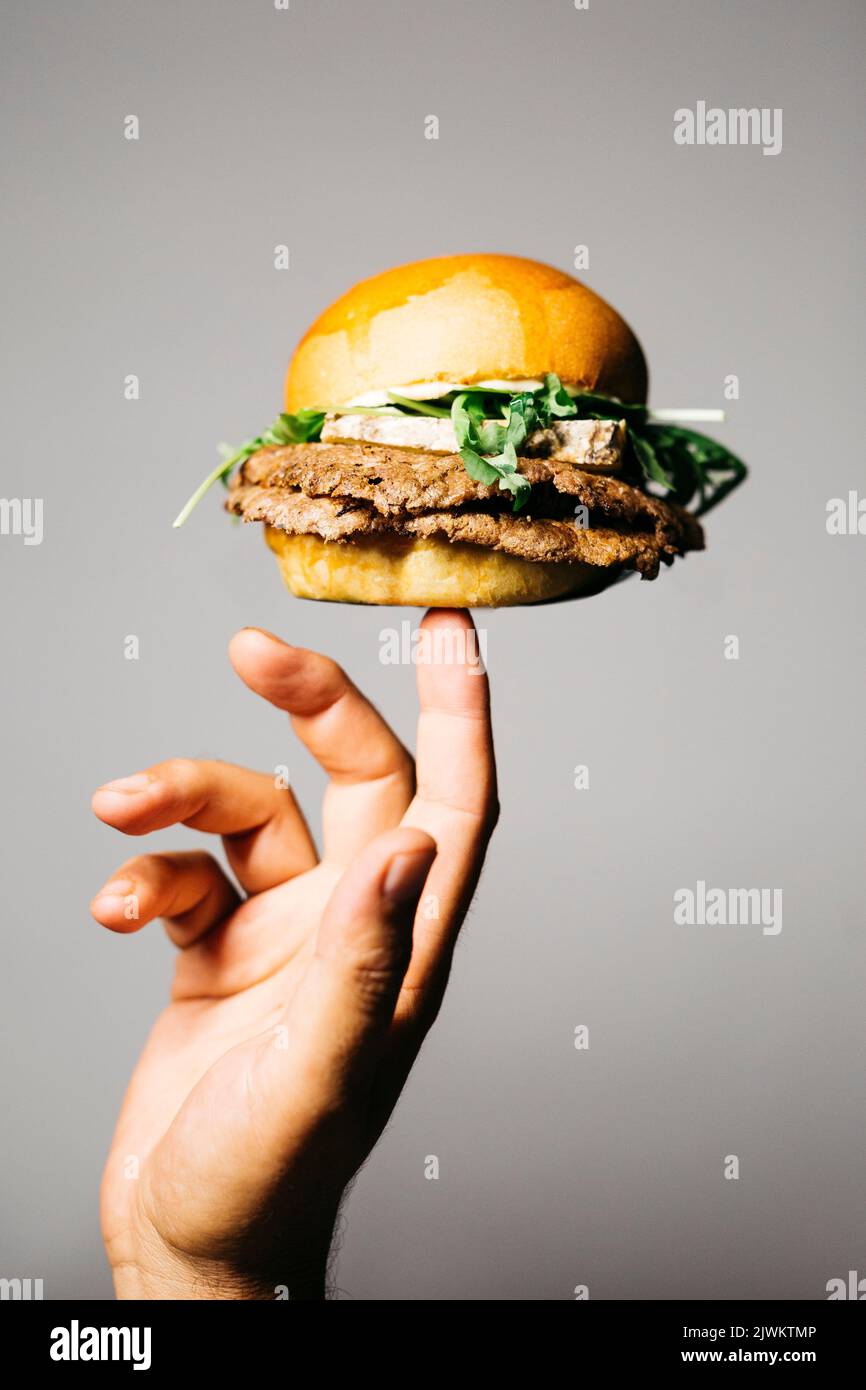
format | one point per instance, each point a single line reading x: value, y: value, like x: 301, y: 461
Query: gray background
x: 558, y: 1167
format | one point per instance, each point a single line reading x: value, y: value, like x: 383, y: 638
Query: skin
x: 298, y: 1009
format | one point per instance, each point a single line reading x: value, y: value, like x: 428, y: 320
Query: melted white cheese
x: 431, y: 390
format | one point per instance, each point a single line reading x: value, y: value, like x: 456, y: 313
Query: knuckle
x: 376, y: 973
x: 181, y: 771
x: 199, y: 861
x: 153, y: 874
x: 422, y: 1006
x: 143, y: 866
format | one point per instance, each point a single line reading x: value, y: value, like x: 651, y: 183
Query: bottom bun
x: 423, y: 573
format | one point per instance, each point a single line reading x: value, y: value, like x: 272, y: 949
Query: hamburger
x: 472, y: 431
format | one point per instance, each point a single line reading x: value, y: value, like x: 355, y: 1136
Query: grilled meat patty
x: 337, y: 491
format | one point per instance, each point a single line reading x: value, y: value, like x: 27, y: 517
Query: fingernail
x: 405, y: 877
x: 117, y: 888
x: 129, y: 786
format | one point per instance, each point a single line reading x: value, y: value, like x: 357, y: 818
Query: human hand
x: 297, y: 1012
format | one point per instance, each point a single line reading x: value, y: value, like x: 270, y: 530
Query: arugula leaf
x: 648, y: 460
x: 500, y: 471
x: 523, y: 419
x: 477, y: 436
x: 477, y: 467
x: 697, y: 461
x: 553, y: 399
x: 286, y: 429
x: 472, y: 426
x: 418, y: 407
x: 680, y: 460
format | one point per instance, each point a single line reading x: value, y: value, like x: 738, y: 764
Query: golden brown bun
x: 465, y: 319
x: 423, y: 573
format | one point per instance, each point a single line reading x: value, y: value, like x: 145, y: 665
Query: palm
x: 198, y: 1053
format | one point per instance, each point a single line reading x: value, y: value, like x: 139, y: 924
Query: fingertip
x: 113, y: 912
x: 451, y: 663
x: 126, y: 799
x: 258, y: 656
x: 252, y: 639
x: 372, y: 907
x: 447, y: 617
x: 391, y: 854
x: 105, y: 806
x: 296, y: 680
x: 408, y: 839
x: 407, y: 869
x: 244, y: 635
x: 118, y: 810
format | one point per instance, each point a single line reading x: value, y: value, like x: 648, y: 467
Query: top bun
x: 464, y: 319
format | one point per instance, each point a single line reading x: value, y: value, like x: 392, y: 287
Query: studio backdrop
x: 624, y: 1095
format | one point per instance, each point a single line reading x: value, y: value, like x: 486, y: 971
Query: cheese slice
x: 432, y: 390
x: 594, y: 445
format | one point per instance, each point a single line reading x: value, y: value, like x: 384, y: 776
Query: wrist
x: 180, y: 1279
x: 277, y: 1260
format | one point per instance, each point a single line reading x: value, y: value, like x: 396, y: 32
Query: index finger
x: 371, y: 774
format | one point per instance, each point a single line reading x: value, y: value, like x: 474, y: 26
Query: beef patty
x: 340, y: 491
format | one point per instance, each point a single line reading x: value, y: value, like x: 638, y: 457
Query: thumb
x: 340, y: 1014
